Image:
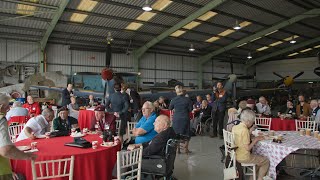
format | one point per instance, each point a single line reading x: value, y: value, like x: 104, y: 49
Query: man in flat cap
x: 64, y: 122
x: 102, y: 120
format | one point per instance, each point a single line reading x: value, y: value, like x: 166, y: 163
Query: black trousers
x: 217, y: 122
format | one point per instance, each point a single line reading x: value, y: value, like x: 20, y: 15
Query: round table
x: 275, y: 152
x: 283, y: 125
x: 89, y: 163
x: 85, y: 118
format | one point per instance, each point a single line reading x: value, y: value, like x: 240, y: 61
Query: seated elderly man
x: 144, y: 130
x: 64, y: 122
x: 242, y: 141
x: 103, y: 120
x: 16, y: 110
x: 32, y: 107
x: 315, y: 114
x: 157, y: 145
x: 205, y: 113
x: 7, y: 149
x: 263, y: 107
x: 37, y: 126
x: 287, y: 110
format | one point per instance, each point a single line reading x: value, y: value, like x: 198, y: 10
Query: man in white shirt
x: 16, y: 110
x: 37, y: 126
x: 315, y: 110
x: 263, y: 107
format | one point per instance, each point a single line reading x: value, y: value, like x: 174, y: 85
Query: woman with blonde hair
x: 182, y: 106
x: 232, y: 117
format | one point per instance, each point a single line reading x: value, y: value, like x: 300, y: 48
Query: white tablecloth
x: 276, y: 152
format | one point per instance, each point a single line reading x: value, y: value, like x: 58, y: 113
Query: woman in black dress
x: 182, y: 107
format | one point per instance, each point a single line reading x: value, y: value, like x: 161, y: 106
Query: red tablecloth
x: 85, y: 118
x: 283, y: 125
x: 18, y: 119
x: 89, y: 163
x: 167, y: 113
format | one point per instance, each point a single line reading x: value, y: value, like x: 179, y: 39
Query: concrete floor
x: 204, y: 161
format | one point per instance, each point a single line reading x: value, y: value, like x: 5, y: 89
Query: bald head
x: 162, y: 123
x: 313, y: 103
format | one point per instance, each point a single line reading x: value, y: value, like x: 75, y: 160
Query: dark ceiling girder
x: 23, y: 28
x: 273, y: 13
x: 299, y: 4
x: 31, y: 4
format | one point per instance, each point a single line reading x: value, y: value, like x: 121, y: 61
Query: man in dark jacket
x: 118, y: 104
x: 219, y: 97
x: 158, y: 144
x: 66, y: 94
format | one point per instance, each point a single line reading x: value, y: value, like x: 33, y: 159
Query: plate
x: 77, y: 135
x: 24, y: 148
x: 41, y: 136
x: 108, y: 145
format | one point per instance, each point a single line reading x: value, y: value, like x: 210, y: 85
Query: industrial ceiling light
x: 147, y: 6
x: 310, y: 82
x: 249, y: 56
x: 191, y: 48
x: 237, y: 26
x: 292, y: 40
x: 109, y: 37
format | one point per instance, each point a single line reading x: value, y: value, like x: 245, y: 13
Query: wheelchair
x: 203, y: 128
x: 161, y: 166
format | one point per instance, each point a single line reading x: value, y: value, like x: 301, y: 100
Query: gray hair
x: 16, y: 104
x: 4, y: 98
x: 247, y: 116
x: 314, y: 101
x: 165, y: 120
x: 150, y: 105
x: 46, y: 112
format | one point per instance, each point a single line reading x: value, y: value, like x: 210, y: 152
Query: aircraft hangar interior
x: 160, y: 89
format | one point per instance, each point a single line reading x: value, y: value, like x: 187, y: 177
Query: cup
x: 73, y: 130
x: 280, y: 137
x: 315, y: 134
x: 94, y: 144
x: 282, y: 117
x: 301, y: 132
x: 271, y: 133
x: 47, y: 135
x: 308, y: 132
x: 33, y: 145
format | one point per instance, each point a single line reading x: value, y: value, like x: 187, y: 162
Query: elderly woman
x: 74, y: 108
x: 232, y: 118
x: 244, y: 144
x: 182, y: 106
x: 7, y: 149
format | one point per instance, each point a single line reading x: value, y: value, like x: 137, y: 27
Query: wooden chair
x: 305, y: 125
x: 129, y: 164
x: 263, y: 123
x: 53, y: 168
x: 14, y: 131
x: 228, y: 138
x: 118, y: 124
x: 130, y: 126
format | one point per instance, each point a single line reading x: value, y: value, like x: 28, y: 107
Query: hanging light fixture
x: 237, y: 26
x: 249, y: 56
x: 109, y: 37
x: 147, y: 6
x: 191, y: 48
x: 292, y: 40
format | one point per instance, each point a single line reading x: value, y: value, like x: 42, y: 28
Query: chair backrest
x: 228, y: 139
x: 18, y: 119
x: 118, y: 124
x: 53, y: 168
x: 129, y: 164
x: 305, y: 125
x: 263, y: 123
x: 131, y: 126
x: 14, y: 131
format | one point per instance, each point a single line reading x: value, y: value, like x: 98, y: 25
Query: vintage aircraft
x: 287, y: 81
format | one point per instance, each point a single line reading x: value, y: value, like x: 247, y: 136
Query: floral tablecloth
x: 275, y: 152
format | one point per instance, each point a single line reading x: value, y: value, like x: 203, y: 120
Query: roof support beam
x: 193, y: 16
x: 31, y: 4
x: 283, y: 51
x: 48, y: 32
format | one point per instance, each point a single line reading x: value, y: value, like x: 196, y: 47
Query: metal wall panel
x: 65, y: 69
x: 3, y: 50
x: 148, y: 61
x: 88, y: 58
x: 58, y: 54
x: 122, y: 60
x: 22, y: 51
x: 288, y: 67
x: 189, y: 63
x: 169, y: 62
x: 207, y: 67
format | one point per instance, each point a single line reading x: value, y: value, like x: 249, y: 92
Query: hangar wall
x: 288, y: 67
x: 155, y: 67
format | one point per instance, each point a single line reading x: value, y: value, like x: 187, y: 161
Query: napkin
x: 31, y: 151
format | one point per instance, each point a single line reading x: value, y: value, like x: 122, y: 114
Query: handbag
x: 231, y: 172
